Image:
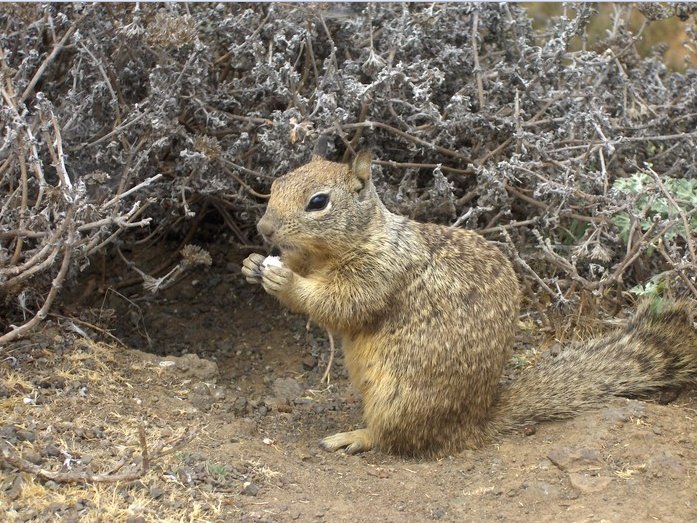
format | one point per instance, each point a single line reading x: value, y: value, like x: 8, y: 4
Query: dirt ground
x: 219, y: 392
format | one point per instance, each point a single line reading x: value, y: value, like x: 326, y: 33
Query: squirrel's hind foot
x: 353, y: 442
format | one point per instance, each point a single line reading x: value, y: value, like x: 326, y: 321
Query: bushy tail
x: 657, y: 349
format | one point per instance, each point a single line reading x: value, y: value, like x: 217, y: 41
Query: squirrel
x: 427, y: 316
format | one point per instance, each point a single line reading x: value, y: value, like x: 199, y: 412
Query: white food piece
x: 272, y: 261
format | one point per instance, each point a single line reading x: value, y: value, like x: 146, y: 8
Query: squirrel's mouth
x: 282, y: 247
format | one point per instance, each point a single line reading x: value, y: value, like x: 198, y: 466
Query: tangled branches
x: 122, y: 122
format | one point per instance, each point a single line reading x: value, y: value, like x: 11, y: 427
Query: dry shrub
x: 122, y: 122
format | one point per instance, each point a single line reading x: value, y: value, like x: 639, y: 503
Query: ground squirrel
x: 427, y: 314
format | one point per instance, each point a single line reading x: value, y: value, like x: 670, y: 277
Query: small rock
x: 575, y: 460
x: 250, y: 489
x: 8, y: 433
x: 666, y: 465
x: 26, y: 435
x: 587, y: 483
x: 86, y: 460
x: 156, y: 492
x: 32, y: 457
x: 56, y: 507
x: 201, y: 388
x: 247, y: 427
x: 309, y: 362
x: 287, y: 389
x: 201, y: 401
x: 540, y: 488
x: 240, y: 406
x: 189, y: 365
x: 529, y: 430
x: 16, y: 489
x: 626, y: 410
x: 217, y: 393
x: 136, y: 519
x: 52, y: 451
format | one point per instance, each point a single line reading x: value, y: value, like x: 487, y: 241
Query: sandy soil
x: 223, y: 389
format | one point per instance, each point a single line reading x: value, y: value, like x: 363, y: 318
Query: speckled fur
x: 427, y: 315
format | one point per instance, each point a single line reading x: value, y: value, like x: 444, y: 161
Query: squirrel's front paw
x: 251, y: 268
x: 276, y: 279
x: 352, y: 442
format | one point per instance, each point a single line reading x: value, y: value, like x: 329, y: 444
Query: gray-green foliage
x: 643, y: 187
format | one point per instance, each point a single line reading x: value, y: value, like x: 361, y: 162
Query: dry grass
x: 89, y: 403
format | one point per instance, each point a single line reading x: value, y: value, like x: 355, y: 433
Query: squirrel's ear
x: 320, y: 150
x: 361, y: 165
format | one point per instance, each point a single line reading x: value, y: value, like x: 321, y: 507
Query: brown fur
x: 427, y: 315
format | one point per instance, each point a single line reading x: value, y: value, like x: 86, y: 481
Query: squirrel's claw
x: 251, y: 268
x: 353, y: 442
x: 274, y: 279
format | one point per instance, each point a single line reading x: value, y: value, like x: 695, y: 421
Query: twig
x: 59, y: 158
x: 246, y: 187
x: 411, y: 165
x: 121, y: 196
x: 51, y: 57
x: 55, y: 287
x: 634, y: 254
x: 379, y: 125
x: 359, y: 132
x: 144, y: 447
x: 325, y: 376
x: 12, y: 457
x: 493, y: 153
x: 475, y: 57
x: 243, y: 169
x: 248, y: 39
x: 23, y: 206
x: 91, y: 326
x: 537, y: 203
x: 117, y: 130
x: 679, y: 270
x: 681, y: 213
x: 509, y: 226
x: 522, y: 263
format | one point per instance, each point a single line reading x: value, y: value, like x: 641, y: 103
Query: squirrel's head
x: 321, y: 206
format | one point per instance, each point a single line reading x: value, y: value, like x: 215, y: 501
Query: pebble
x: 191, y: 365
x: 627, y: 410
x: 250, y: 489
x: 32, y: 457
x: 156, y: 492
x: 587, y: 483
x: 663, y: 464
x: 9, y: 434
x: 287, y: 389
x: 309, y: 362
x: 52, y: 451
x: 26, y: 435
x: 16, y: 489
x: 575, y: 460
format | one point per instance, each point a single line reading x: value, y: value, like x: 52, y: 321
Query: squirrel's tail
x: 657, y: 349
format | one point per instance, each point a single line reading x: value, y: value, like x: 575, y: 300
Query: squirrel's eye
x: 318, y: 202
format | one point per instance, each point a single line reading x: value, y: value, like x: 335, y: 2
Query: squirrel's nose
x: 265, y: 227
